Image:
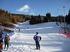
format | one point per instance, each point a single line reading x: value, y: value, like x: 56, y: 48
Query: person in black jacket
x: 37, y: 39
x: 1, y: 41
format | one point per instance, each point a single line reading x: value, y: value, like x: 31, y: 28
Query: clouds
x: 24, y: 8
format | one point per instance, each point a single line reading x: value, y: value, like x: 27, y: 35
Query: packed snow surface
x: 52, y: 39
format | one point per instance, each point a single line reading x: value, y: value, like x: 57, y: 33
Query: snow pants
x: 37, y: 45
x: 6, y: 45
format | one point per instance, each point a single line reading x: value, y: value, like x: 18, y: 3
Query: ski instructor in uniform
x: 37, y: 40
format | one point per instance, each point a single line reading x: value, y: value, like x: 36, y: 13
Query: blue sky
x: 36, y: 7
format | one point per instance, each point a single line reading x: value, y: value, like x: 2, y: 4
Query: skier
x: 37, y: 39
x: 1, y: 41
x: 19, y: 29
x: 6, y: 41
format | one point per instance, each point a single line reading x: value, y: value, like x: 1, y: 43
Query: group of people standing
x: 4, y: 41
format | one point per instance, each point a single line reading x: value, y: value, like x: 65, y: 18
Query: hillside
x: 8, y: 19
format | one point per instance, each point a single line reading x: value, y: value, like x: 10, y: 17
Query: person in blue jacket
x: 37, y: 40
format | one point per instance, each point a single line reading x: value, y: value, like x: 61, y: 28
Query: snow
x: 52, y: 39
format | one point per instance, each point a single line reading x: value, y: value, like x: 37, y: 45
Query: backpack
x: 39, y: 38
x: 7, y: 38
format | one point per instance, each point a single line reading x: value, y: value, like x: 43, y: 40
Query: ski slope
x: 52, y: 39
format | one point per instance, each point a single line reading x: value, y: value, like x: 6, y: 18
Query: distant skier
x: 6, y: 41
x: 19, y: 29
x: 37, y: 39
x: 1, y: 41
